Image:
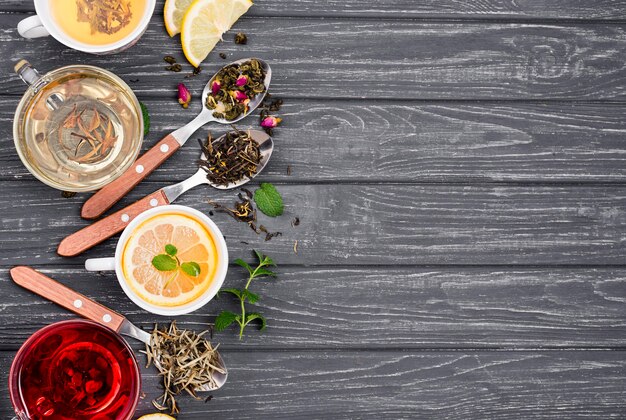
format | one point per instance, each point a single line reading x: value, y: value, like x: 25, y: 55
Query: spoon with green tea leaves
x: 187, y: 361
x: 231, y: 94
x: 246, y: 146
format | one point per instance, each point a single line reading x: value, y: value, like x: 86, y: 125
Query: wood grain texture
x: 383, y: 59
x: 407, y: 142
x: 368, y: 224
x: 429, y: 9
x: 402, y: 385
x: 376, y: 308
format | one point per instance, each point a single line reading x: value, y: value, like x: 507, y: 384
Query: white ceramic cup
x: 43, y: 24
x: 115, y: 263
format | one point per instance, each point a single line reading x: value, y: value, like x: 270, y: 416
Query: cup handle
x: 100, y: 264
x: 32, y: 27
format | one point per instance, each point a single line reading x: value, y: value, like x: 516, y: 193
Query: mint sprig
x: 170, y: 262
x: 269, y: 200
x: 226, y: 318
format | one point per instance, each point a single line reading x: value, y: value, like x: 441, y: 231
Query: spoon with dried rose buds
x: 224, y: 103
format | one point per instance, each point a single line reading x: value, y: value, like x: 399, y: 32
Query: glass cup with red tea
x: 77, y: 370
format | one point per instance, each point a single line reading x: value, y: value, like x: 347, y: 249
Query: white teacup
x: 43, y: 24
x: 115, y: 263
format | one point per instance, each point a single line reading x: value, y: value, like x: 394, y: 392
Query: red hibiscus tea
x: 75, y: 370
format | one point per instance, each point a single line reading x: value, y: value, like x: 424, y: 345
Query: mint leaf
x: 224, y: 319
x: 164, y: 262
x: 171, y: 249
x: 146, y: 118
x: 191, y: 268
x: 254, y: 315
x: 252, y: 297
x: 235, y: 292
x: 243, y: 264
x: 264, y: 272
x: 268, y: 200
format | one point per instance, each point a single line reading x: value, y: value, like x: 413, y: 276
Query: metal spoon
x: 62, y: 295
x: 97, y: 232
x: 153, y: 158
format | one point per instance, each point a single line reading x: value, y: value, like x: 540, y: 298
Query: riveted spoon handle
x: 62, y: 295
x: 97, y: 232
x: 113, y: 192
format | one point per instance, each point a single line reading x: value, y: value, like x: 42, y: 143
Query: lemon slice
x: 156, y: 416
x: 169, y: 288
x: 204, y: 23
x: 173, y: 13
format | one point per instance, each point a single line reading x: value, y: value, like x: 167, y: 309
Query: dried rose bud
x: 184, y: 96
x: 240, y: 96
x: 270, y: 122
x: 241, y: 80
x: 215, y: 87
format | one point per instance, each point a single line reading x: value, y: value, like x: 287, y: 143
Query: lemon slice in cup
x: 204, y: 23
x: 173, y: 14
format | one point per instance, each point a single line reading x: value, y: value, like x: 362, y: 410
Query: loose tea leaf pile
x: 106, y: 16
x: 233, y: 87
x: 230, y: 158
x: 185, y: 360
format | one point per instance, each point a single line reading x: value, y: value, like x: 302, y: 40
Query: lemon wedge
x: 173, y: 13
x: 156, y: 416
x: 204, y: 23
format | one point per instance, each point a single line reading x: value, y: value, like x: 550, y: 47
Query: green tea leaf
x: 164, y: 262
x: 146, y: 118
x: 224, y: 319
x: 268, y: 200
x: 171, y: 249
x: 254, y: 315
x: 243, y: 264
x: 252, y: 297
x: 235, y: 292
x: 191, y: 268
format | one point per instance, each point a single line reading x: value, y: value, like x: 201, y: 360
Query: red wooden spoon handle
x: 111, y: 193
x: 54, y: 291
x: 103, y: 229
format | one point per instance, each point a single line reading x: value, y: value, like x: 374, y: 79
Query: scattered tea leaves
x: 268, y: 200
x: 186, y: 361
x: 241, y: 38
x: 295, y: 222
x: 174, y: 67
x: 169, y: 59
x: 68, y: 194
x: 223, y: 56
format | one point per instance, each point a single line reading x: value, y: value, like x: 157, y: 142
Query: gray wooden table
x: 459, y: 171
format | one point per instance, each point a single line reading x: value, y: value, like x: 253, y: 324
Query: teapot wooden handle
x: 56, y: 292
x: 97, y: 232
x: 113, y: 192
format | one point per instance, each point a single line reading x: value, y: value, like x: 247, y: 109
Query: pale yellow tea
x: 97, y: 22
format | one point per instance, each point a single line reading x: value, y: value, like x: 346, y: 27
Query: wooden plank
x: 442, y: 142
x: 428, y: 9
x: 392, y: 59
x: 458, y: 385
x: 372, y: 224
x: 378, y: 307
